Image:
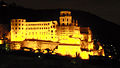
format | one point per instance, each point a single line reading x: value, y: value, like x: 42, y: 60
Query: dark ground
x: 45, y: 61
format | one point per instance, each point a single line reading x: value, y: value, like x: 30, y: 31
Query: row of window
x: 18, y: 20
x: 30, y: 24
x: 41, y: 33
x: 17, y: 28
x: 34, y: 33
x: 37, y: 37
x: 35, y: 28
x: 37, y: 24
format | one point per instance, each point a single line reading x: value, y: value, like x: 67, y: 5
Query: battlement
x: 65, y: 13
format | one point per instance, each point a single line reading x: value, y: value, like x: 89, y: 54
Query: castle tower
x: 65, y: 18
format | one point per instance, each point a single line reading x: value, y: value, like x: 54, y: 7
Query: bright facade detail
x: 21, y: 30
x: 69, y: 38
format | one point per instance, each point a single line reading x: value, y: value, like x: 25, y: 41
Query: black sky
x: 107, y: 9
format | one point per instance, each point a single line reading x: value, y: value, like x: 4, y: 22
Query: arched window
x: 67, y: 24
x: 63, y: 24
x: 63, y: 19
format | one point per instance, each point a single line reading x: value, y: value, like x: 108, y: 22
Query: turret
x: 65, y: 18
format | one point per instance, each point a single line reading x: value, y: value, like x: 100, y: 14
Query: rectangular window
x: 52, y: 31
x: 15, y: 32
x: 54, y: 26
x: 63, y: 19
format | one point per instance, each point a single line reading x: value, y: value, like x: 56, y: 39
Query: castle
x: 66, y: 32
x: 68, y: 36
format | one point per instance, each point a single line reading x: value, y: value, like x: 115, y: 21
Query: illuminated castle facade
x: 21, y: 30
x: 67, y: 32
x: 69, y: 38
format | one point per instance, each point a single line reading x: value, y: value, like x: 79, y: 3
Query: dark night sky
x: 107, y: 9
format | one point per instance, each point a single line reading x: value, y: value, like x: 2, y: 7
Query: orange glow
x: 1, y: 41
x: 68, y: 50
x: 45, y: 51
x: 84, y: 55
x: 66, y: 39
x: 110, y: 56
x: 15, y: 46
